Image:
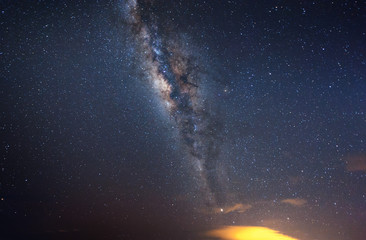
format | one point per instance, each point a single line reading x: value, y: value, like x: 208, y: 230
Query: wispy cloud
x: 247, y: 233
x: 239, y: 207
x: 297, y: 202
x: 356, y: 162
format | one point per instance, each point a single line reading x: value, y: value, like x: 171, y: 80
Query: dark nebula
x: 170, y: 67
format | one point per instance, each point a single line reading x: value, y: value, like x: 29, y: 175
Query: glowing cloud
x: 356, y: 162
x: 297, y: 202
x: 240, y: 208
x: 247, y: 233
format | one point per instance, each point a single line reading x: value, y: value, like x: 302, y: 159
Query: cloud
x: 297, y: 202
x: 356, y: 162
x: 247, y: 233
x: 239, y: 207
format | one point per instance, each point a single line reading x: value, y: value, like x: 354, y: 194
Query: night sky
x: 152, y: 119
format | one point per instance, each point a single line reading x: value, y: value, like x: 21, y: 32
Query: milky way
x: 176, y: 77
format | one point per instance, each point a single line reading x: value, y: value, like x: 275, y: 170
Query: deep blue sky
x: 87, y: 149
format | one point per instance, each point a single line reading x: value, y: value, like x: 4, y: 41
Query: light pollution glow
x: 247, y: 233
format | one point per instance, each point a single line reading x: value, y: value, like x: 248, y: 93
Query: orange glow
x: 297, y: 202
x: 247, y: 233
